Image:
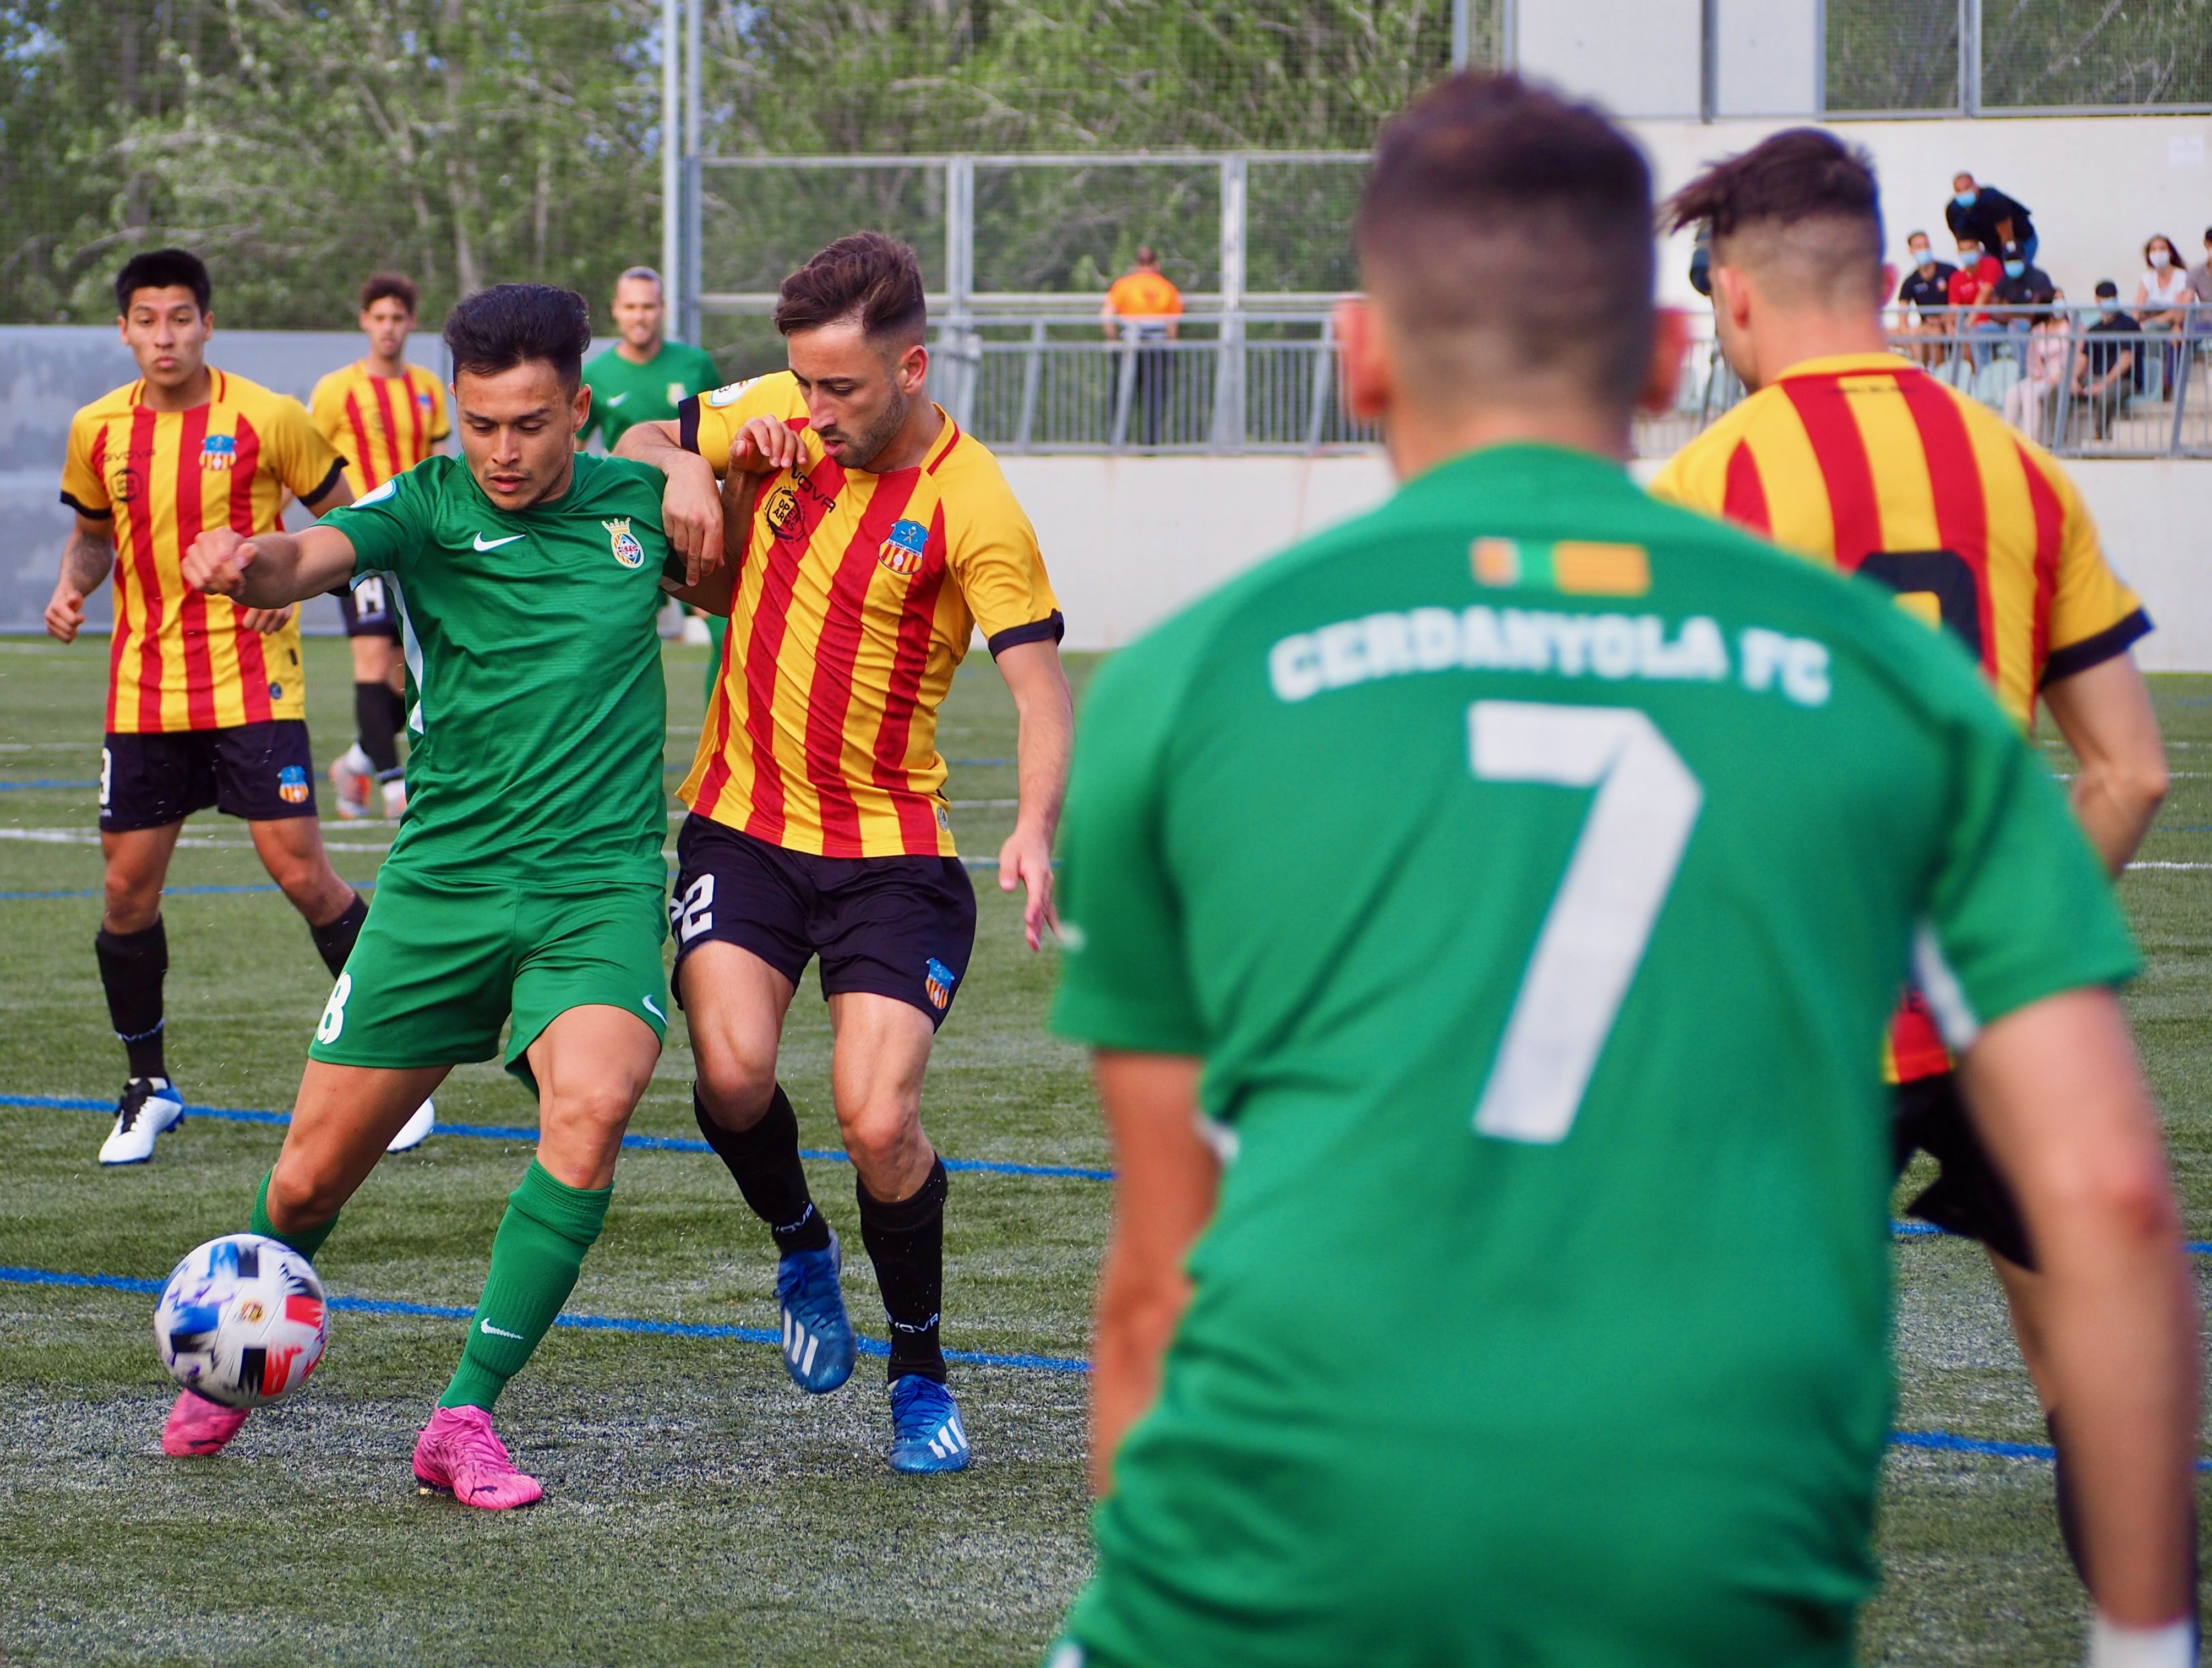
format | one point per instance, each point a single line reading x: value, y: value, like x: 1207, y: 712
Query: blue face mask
x: 2013, y: 269
x: 1966, y: 199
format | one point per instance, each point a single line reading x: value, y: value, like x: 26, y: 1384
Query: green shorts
x: 437, y: 968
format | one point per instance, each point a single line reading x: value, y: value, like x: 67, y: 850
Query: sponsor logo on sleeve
x: 728, y: 394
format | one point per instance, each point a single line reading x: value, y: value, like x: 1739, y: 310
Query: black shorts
x: 367, y: 608
x: 263, y: 772
x: 1968, y: 1196
x: 897, y: 926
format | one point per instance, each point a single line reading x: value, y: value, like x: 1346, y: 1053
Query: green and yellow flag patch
x: 1578, y: 568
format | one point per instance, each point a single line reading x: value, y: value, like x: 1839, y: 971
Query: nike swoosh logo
x: 617, y: 399
x: 498, y: 1331
x: 654, y: 1011
x: 484, y: 543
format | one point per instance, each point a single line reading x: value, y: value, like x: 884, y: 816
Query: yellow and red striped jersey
x: 855, y: 599
x: 1865, y: 462
x: 178, y: 659
x: 381, y: 426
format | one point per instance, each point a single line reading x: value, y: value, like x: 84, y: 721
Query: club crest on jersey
x: 292, y: 786
x: 218, y: 451
x: 627, y: 551
x: 903, y: 551
x: 938, y: 980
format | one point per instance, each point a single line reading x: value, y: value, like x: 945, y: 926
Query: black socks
x: 905, y: 1242
x: 377, y: 716
x: 334, y: 939
x: 763, y: 1161
x: 131, y: 965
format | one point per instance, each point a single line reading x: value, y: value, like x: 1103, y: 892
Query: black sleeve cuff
x: 337, y: 475
x: 687, y: 424
x: 2078, y: 657
x: 1050, y: 629
x: 87, y: 512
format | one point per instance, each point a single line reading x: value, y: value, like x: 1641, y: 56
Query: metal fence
x: 1259, y: 381
x: 1962, y: 58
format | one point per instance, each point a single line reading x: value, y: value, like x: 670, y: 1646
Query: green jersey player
x: 1518, y: 880
x: 528, y: 579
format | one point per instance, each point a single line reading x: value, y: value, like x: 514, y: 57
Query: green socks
x: 535, y: 1256
x: 307, y: 1241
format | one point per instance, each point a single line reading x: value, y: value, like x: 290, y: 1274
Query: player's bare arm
x: 270, y: 570
x: 2107, y: 717
x: 1165, y: 1180
x: 692, y: 511
x: 266, y: 620
x: 2056, y: 1093
x: 88, y: 558
x: 1045, y: 738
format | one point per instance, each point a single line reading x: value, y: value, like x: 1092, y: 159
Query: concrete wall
x: 1130, y: 541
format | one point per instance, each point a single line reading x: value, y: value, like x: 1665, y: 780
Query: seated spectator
x: 2200, y: 285
x: 1922, y: 296
x: 2029, y: 401
x: 1973, y: 280
x: 2024, y: 285
x: 2105, y: 371
x: 1989, y: 217
x: 2162, y: 298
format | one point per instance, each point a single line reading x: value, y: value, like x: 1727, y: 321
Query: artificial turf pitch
x: 698, y: 1508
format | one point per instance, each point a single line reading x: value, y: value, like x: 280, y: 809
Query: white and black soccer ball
x: 242, y: 1320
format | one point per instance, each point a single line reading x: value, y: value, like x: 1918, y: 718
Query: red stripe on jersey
x: 917, y: 816
x: 2049, y: 539
x: 150, y: 577
x: 361, y: 459
x: 383, y: 386
x: 764, y: 647
x: 949, y: 445
x: 98, y: 460
x: 834, y: 650
x: 1744, y: 501
x: 1962, y: 515
x: 192, y: 605
x: 717, y: 779
x: 1854, y: 508
x: 253, y: 669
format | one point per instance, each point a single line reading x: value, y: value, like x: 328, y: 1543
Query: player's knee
x: 602, y: 1105
x: 299, y: 1199
x: 736, y: 1084
x: 131, y: 903
x: 879, y: 1134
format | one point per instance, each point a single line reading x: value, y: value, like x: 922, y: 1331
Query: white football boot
x: 395, y: 798
x: 148, y: 1105
x: 416, y: 1130
x: 352, y: 777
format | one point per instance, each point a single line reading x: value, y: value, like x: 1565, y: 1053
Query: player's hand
x: 217, y: 562
x: 764, y: 445
x: 691, y: 513
x: 66, y: 612
x: 1026, y: 860
x: 264, y: 620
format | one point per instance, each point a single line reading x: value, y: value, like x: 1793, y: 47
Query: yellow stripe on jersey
x: 856, y: 597
x: 178, y: 660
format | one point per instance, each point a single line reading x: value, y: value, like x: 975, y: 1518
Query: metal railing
x: 1252, y: 381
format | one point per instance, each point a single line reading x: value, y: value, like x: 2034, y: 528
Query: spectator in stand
x: 2023, y: 285
x: 2105, y: 371
x: 1926, y: 290
x: 1143, y: 305
x: 1989, y: 217
x: 2162, y: 297
x: 1974, y: 279
x: 2029, y: 401
x: 2200, y: 285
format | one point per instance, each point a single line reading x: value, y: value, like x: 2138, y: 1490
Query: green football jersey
x: 1533, y: 867
x: 623, y: 393
x: 536, y: 706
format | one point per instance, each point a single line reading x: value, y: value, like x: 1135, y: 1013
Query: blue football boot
x: 925, y: 1433
x: 817, y: 1339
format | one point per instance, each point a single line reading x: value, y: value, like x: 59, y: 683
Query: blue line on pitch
x: 586, y: 1323
x: 18, y: 787
x: 663, y: 1143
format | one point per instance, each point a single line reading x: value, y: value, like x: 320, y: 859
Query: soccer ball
x: 242, y: 1320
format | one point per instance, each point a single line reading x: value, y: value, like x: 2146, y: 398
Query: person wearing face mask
x: 2023, y: 285
x: 1973, y: 280
x: 1921, y: 298
x: 2105, y: 369
x: 2162, y: 297
x: 1988, y: 216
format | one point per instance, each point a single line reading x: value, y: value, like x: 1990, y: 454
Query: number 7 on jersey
x: 1595, y: 933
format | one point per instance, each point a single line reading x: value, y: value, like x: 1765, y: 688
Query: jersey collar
x: 1846, y: 364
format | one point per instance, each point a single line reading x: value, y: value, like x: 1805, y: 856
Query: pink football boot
x: 458, y: 1454
x: 198, y: 1426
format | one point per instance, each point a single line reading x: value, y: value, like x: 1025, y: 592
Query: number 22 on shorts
x: 1595, y: 934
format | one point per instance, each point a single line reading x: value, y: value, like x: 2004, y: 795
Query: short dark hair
x: 1801, y: 204
x: 2107, y: 290
x: 509, y: 324
x: 389, y: 286
x: 867, y: 277
x: 163, y: 268
x: 1477, y: 190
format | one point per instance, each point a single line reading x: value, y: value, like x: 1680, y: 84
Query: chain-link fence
x: 1889, y: 57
